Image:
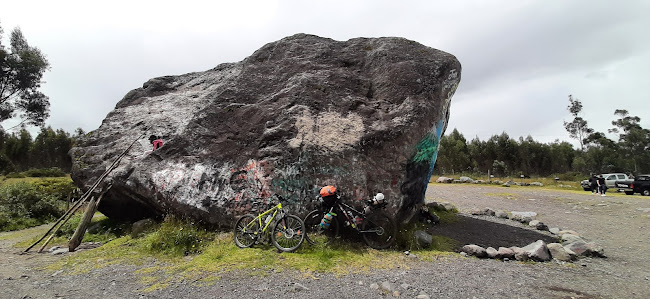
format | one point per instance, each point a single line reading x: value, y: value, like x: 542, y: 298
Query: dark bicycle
x: 377, y: 229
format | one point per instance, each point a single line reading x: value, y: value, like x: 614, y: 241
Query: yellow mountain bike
x: 287, y: 231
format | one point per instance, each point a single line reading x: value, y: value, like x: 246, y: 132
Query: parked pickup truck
x: 641, y: 184
x: 610, y: 180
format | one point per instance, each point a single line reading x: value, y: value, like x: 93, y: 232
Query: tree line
x: 20, y: 152
x: 505, y: 156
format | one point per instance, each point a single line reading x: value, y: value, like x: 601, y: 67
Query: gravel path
x: 619, y: 223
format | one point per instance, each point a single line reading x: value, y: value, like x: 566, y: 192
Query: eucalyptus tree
x: 21, y: 72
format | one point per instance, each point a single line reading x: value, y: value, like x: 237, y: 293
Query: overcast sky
x: 521, y: 59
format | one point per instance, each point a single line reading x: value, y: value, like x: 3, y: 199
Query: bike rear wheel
x: 288, y: 233
x: 378, y: 230
x: 247, y: 230
x: 315, y: 233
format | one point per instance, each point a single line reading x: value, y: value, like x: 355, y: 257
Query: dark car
x: 640, y: 184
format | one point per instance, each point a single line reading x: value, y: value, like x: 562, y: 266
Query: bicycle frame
x: 275, y: 210
x: 344, y: 209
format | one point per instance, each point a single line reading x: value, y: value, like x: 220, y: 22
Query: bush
x: 15, y: 175
x: 26, y: 204
x: 60, y: 188
x: 178, y: 237
x: 571, y: 176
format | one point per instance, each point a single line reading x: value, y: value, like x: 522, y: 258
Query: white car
x: 610, y: 180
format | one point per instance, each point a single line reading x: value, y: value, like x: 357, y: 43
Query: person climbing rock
x: 156, y: 142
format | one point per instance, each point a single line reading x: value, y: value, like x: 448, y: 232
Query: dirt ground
x: 619, y: 223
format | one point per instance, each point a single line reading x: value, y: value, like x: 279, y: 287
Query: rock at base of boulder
x: 505, y: 252
x: 582, y: 248
x: 523, y: 217
x: 444, y: 180
x: 491, y: 252
x: 423, y: 239
x: 442, y: 206
x: 558, y: 252
x: 474, y: 250
x: 60, y: 251
x: 141, y: 226
x: 570, y: 238
x: 554, y: 230
x: 595, y: 250
x: 538, y: 251
x: 501, y: 214
x: 538, y: 225
x: 485, y: 211
x: 465, y: 179
x: 520, y: 254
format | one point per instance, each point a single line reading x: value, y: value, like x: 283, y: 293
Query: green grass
x: 101, y: 229
x: 177, y: 251
x: 8, y: 181
x: 549, y: 182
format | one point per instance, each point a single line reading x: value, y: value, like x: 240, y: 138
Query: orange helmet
x: 327, y: 191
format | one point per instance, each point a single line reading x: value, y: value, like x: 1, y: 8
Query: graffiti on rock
x: 204, y: 186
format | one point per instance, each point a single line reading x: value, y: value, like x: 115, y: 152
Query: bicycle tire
x: 314, y: 233
x: 288, y: 233
x: 246, y: 231
x: 381, y: 230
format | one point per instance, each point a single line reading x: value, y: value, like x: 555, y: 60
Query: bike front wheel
x: 247, y: 230
x: 317, y: 234
x: 288, y: 233
x: 378, y: 230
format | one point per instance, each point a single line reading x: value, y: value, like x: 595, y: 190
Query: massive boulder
x: 364, y: 115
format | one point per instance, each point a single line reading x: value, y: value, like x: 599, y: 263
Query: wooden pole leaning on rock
x: 79, y: 233
x: 85, y: 220
x: 83, y: 198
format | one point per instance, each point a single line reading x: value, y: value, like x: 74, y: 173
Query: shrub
x: 25, y: 205
x: 178, y: 237
x: 572, y: 176
x: 60, y: 188
x: 15, y: 175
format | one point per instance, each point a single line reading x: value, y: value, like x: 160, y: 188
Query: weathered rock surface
x: 474, y: 250
x: 501, y: 214
x: 465, y: 179
x: 538, y: 251
x: 423, y: 239
x: 443, y: 179
x: 523, y: 217
x: 520, y: 253
x: 141, y: 226
x: 570, y: 238
x: 491, y: 252
x: 504, y: 253
x: 364, y: 114
x: 558, y: 252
